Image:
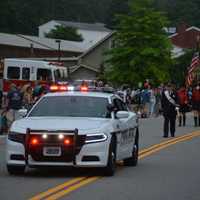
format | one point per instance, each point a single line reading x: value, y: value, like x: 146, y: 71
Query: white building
x: 91, y: 33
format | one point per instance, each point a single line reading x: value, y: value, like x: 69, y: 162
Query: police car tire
x: 133, y: 161
x: 109, y: 170
x: 15, y: 170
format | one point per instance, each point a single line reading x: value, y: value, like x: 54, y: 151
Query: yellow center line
x: 151, y: 151
x: 166, y: 142
x: 71, y: 185
x: 72, y: 188
x: 57, y: 188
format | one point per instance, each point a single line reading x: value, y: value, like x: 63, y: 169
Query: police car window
x: 71, y: 106
x: 13, y: 73
x: 44, y: 74
x: 26, y: 73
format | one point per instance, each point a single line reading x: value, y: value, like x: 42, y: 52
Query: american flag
x: 194, y: 64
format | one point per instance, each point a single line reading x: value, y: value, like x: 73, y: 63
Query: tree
x: 143, y: 48
x: 65, y: 33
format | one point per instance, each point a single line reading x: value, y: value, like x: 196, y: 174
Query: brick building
x: 185, y: 37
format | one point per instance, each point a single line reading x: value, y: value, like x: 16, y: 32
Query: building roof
x: 97, y: 44
x: 186, y: 37
x: 40, y: 43
x: 76, y: 67
x: 188, y: 29
x: 84, y: 26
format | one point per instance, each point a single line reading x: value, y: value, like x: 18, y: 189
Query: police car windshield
x: 71, y: 106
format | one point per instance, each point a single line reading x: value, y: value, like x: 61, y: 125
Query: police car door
x: 124, y: 137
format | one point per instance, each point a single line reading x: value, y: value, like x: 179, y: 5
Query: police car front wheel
x: 111, y: 164
x: 133, y: 160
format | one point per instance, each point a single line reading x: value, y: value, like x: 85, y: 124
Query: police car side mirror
x: 122, y: 114
x: 22, y: 113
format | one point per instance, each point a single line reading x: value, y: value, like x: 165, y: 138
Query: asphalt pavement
x: 169, y: 174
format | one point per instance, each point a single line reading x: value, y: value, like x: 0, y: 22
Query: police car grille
x: 67, y: 151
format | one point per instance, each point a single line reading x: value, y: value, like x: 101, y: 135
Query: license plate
x: 52, y: 151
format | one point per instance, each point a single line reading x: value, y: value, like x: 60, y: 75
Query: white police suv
x: 80, y: 129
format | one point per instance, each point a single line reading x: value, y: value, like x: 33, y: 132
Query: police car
x: 80, y: 129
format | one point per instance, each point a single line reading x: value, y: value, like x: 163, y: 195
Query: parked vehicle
x: 21, y: 72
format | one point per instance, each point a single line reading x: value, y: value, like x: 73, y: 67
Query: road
x: 169, y: 171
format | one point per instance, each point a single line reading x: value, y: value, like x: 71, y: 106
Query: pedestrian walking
x: 196, y: 104
x: 145, y: 97
x: 3, y: 122
x: 14, y: 102
x: 152, y: 101
x: 28, y: 98
x: 183, y: 102
x: 169, y: 106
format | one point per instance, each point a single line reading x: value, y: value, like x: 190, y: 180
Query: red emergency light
x: 34, y: 141
x: 54, y: 87
x: 62, y: 88
x: 84, y: 88
x: 67, y: 142
x: 58, y: 88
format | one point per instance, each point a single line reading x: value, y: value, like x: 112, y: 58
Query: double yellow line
x: 65, y: 188
x: 71, y: 185
x: 160, y: 146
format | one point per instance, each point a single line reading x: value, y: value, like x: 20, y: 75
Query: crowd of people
x: 146, y: 101
x: 17, y: 98
x: 172, y: 102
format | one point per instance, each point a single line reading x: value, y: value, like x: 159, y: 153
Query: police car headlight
x: 93, y: 138
x: 16, y: 137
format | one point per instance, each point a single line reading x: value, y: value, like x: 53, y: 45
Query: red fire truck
x: 21, y: 72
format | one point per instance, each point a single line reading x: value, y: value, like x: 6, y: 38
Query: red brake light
x: 84, y: 88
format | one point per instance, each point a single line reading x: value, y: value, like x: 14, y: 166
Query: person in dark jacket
x: 14, y: 102
x: 196, y: 104
x: 183, y: 102
x: 169, y: 104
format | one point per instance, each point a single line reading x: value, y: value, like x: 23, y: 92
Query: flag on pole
x: 193, y: 66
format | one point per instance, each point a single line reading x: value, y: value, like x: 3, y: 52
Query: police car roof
x: 78, y: 93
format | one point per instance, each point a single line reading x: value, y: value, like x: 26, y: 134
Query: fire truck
x: 21, y: 72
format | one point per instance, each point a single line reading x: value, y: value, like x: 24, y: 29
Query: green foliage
x: 24, y: 16
x: 187, y: 11
x: 65, y: 33
x: 143, y: 49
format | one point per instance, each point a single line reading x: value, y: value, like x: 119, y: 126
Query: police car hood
x: 84, y: 125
